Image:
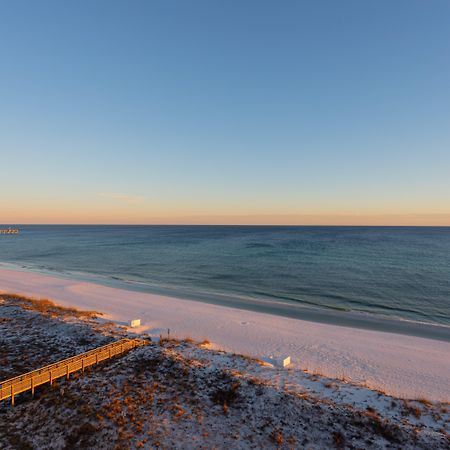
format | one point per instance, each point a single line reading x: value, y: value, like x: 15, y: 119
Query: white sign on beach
x: 134, y: 323
x: 280, y: 361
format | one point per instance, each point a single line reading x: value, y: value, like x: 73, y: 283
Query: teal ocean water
x: 396, y: 272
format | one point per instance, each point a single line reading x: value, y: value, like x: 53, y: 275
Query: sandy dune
x: 405, y: 366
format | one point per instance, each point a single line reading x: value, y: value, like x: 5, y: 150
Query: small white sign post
x: 134, y: 323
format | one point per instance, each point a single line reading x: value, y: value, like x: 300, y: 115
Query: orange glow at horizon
x: 119, y: 209
x: 267, y: 219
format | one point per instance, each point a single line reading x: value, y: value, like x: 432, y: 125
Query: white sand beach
x: 405, y: 366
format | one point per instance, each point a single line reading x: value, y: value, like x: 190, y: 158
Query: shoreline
x: 352, y: 319
x: 406, y: 366
x: 205, y: 396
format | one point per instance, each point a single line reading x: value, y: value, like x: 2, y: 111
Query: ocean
x: 395, y: 272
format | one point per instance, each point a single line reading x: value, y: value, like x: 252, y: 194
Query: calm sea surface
x: 397, y: 272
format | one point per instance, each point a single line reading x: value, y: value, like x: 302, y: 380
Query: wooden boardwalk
x: 30, y: 380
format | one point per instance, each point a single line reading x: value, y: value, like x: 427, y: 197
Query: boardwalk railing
x: 30, y: 380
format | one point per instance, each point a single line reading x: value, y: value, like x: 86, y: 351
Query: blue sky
x: 225, y: 111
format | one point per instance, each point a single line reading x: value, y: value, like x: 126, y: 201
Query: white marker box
x: 282, y: 361
x: 134, y: 323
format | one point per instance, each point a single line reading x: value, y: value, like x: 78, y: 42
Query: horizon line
x: 224, y: 225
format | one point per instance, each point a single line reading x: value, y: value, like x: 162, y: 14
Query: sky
x: 227, y: 112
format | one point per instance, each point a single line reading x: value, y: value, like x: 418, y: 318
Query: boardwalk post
x: 32, y: 386
x: 82, y: 365
x: 67, y: 372
x: 12, y: 395
x: 51, y: 378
